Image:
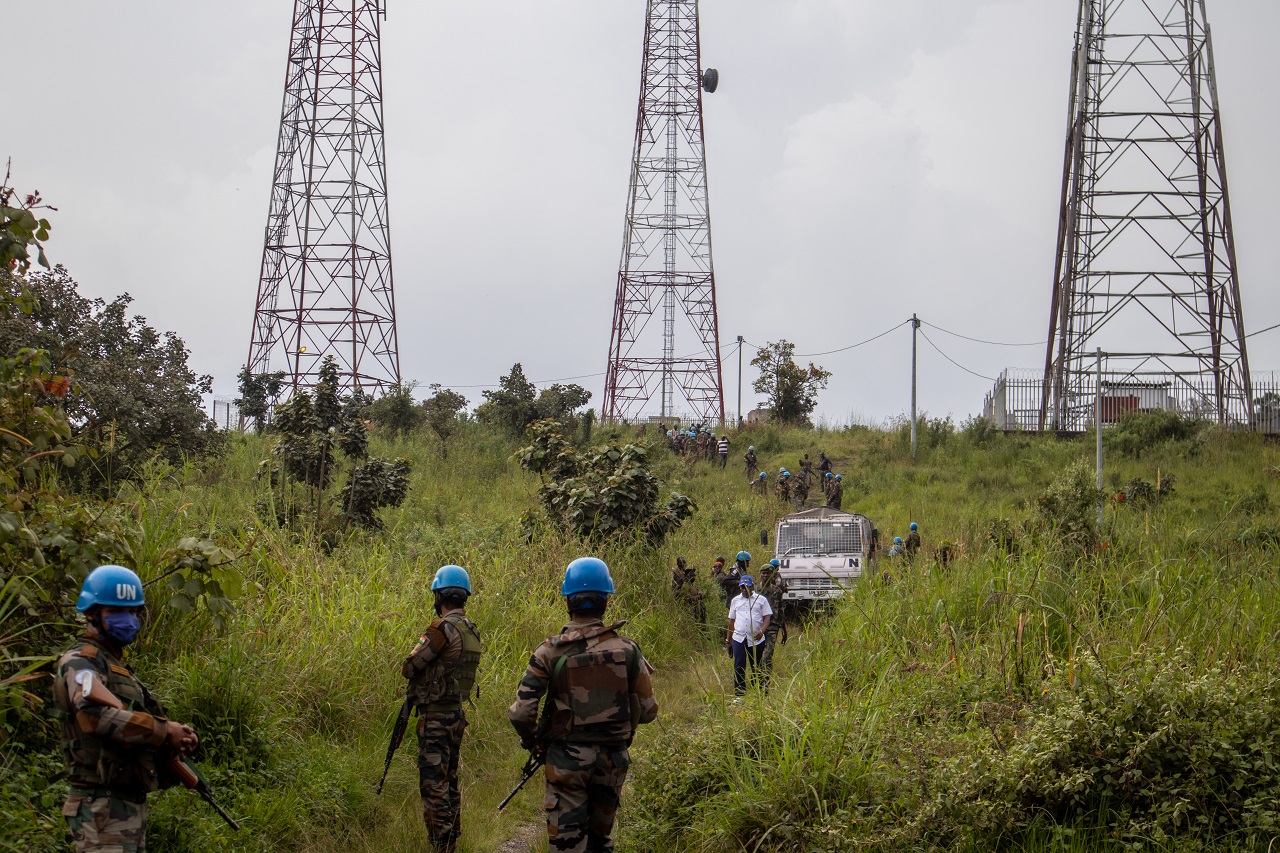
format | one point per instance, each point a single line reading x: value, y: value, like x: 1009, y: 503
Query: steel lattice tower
x: 666, y: 248
x: 326, y: 285
x: 1146, y: 263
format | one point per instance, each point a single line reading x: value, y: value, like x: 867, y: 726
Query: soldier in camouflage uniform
x: 773, y: 588
x: 115, y: 737
x: 597, y: 691
x: 442, y: 672
x: 783, y: 486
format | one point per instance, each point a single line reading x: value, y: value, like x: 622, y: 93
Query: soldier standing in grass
x: 442, y: 672
x: 783, y: 486
x: 115, y: 755
x: 685, y: 585
x: 835, y: 497
x: 913, y: 541
x: 753, y: 464
x: 760, y: 484
x: 774, y: 589
x: 598, y: 692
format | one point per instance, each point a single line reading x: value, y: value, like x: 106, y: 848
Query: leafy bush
x: 979, y: 430
x: 1069, y: 507
x: 1159, y: 753
x: 395, y: 411
x: 1139, y: 432
x: 313, y: 428
x: 605, y: 491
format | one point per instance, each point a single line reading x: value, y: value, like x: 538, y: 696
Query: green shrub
x: 1069, y: 507
x: 1159, y: 753
x: 1139, y: 432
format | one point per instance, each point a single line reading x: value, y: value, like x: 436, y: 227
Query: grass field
x: 1005, y: 699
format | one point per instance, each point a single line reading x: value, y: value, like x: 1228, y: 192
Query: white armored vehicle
x: 822, y: 552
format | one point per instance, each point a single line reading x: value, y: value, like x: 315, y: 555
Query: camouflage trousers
x: 101, y: 823
x: 439, y: 744
x: 584, y: 786
x: 767, y: 648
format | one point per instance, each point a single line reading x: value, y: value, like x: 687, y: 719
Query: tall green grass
x: 871, y: 706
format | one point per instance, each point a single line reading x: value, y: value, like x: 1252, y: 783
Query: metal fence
x: 813, y: 537
x: 1014, y: 402
x: 226, y: 414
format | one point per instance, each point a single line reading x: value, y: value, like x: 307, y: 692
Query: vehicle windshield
x: 814, y: 538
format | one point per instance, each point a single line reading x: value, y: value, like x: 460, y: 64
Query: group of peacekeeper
x: 577, y: 708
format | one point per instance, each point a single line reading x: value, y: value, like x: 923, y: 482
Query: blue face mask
x: 122, y: 627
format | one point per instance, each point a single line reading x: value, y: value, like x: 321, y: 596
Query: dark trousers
x: 745, y: 657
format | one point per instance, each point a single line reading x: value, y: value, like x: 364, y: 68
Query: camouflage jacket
x: 599, y: 688
x: 104, y: 746
x: 442, y: 667
x: 773, y: 591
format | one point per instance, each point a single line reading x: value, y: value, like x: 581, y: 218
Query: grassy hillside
x: 935, y: 707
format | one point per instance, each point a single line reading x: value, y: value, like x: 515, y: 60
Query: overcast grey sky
x: 867, y: 159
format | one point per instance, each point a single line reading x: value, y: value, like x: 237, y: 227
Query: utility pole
x: 740, y: 342
x: 915, y: 327
x: 1097, y: 419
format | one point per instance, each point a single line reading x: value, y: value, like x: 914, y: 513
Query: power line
x: 841, y: 349
x: 1260, y: 331
x: 980, y: 340
x: 953, y: 361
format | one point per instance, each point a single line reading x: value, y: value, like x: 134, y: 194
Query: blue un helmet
x: 774, y: 563
x: 897, y: 540
x: 587, y: 574
x: 111, y: 586
x: 782, y: 470
x: 743, y: 557
x: 451, y: 577
x: 761, y: 475
x: 914, y: 526
x: 752, y: 448
x: 829, y: 474
x: 838, y: 477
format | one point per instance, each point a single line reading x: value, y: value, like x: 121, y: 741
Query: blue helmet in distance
x: 743, y: 557
x: 838, y: 477
x: 752, y: 448
x: 451, y: 577
x: 774, y: 563
x: 897, y: 540
x: 914, y: 526
x: 761, y: 475
x: 829, y: 474
x: 111, y: 586
x: 587, y: 574
x: 782, y: 470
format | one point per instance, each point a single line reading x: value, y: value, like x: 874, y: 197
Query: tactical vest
x: 449, y: 683
x: 97, y: 762
x: 592, y: 692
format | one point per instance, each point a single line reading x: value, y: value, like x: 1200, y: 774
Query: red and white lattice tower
x: 326, y: 287
x: 666, y: 264
x: 1146, y: 260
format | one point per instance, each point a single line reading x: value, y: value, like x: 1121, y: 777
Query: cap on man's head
x: 746, y: 581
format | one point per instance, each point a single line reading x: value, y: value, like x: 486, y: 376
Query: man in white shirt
x: 749, y: 615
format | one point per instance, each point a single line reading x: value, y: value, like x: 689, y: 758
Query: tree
x: 314, y: 427
x: 395, y: 412
x: 513, y: 406
x: 791, y: 391
x: 440, y: 411
x: 134, y: 392
x: 258, y: 393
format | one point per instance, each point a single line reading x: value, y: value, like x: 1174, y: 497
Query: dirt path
x: 523, y: 840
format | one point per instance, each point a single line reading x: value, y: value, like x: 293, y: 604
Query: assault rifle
x: 397, y: 737
x: 95, y: 691
x: 536, y: 760
x: 191, y: 778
